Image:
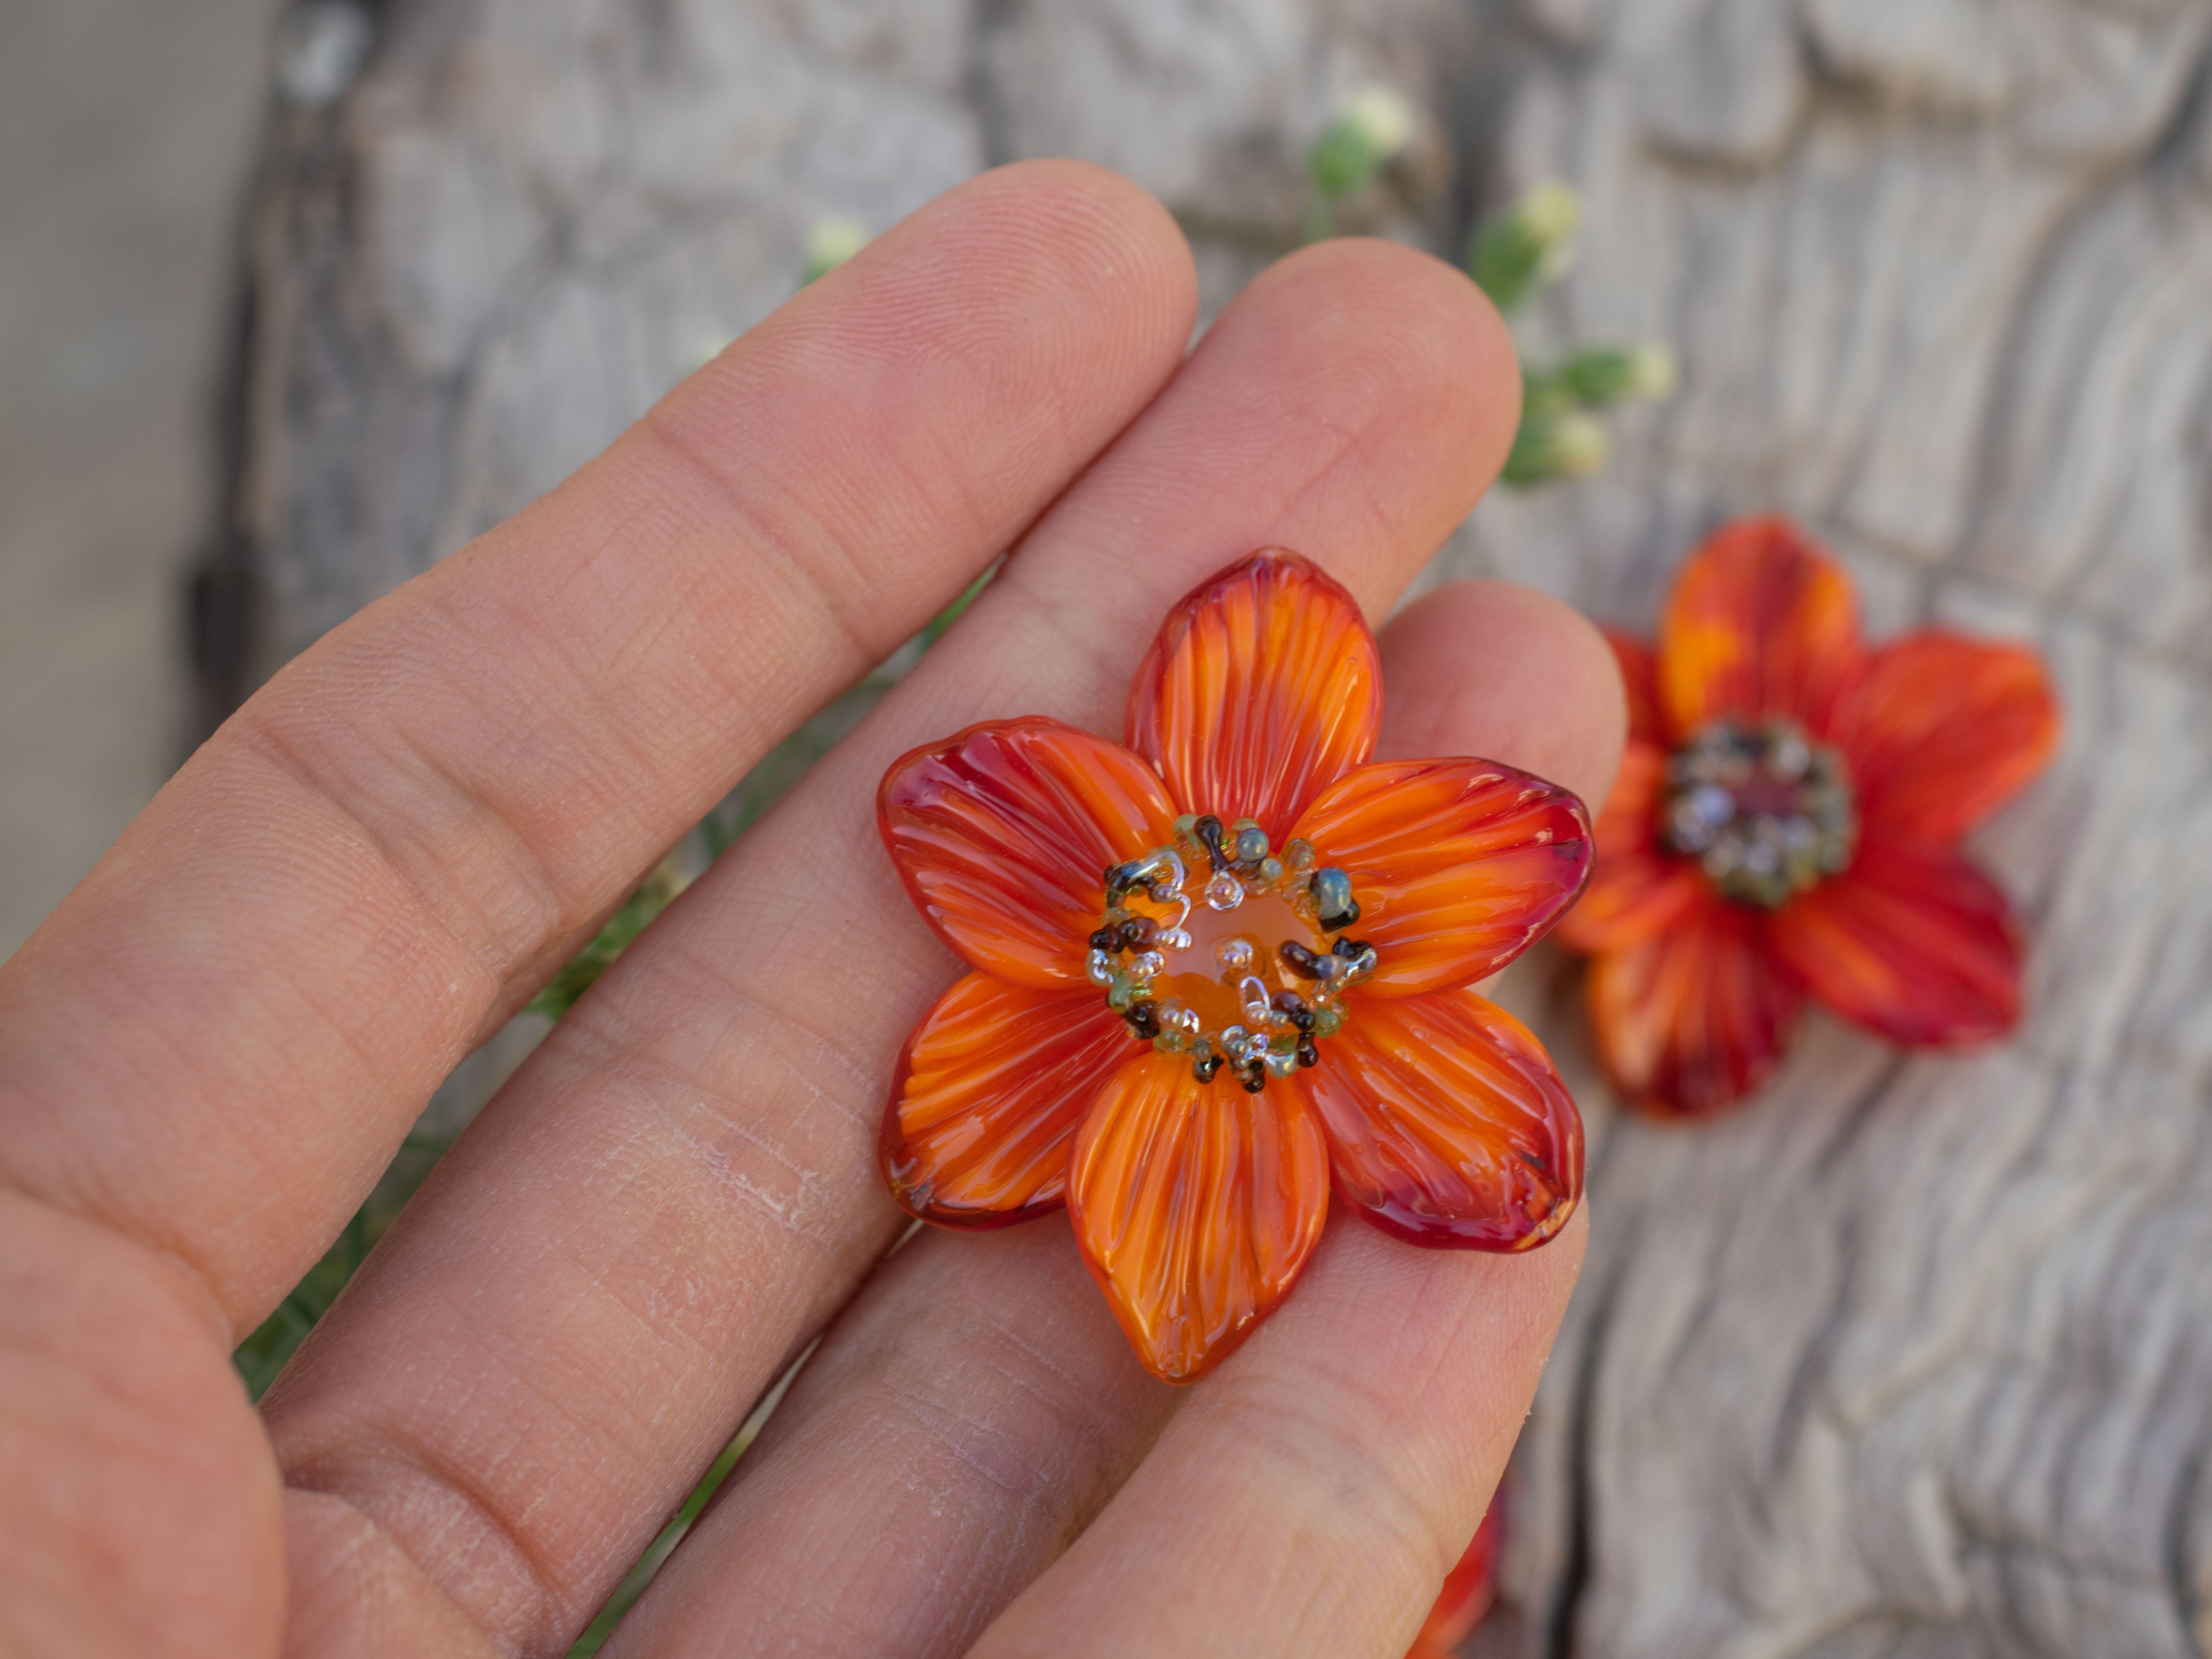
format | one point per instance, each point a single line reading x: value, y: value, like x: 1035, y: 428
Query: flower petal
x: 1692, y: 1020
x: 1459, y: 866
x: 1760, y: 624
x: 1941, y: 731
x: 1195, y: 1205
x: 1911, y: 942
x: 1635, y: 890
x: 1261, y: 688
x: 1639, y: 679
x: 1469, y: 1589
x: 1447, y: 1124
x: 1003, y: 833
x: 1632, y: 896
x: 1629, y: 822
x: 987, y: 1097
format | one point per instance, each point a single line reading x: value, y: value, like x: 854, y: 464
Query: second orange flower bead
x: 1785, y: 825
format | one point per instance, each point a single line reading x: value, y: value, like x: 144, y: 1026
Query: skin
x: 210, y: 1050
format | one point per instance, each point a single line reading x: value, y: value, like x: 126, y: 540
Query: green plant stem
x: 664, y: 1545
x: 1320, y: 218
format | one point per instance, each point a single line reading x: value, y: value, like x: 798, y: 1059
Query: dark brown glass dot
x: 1209, y: 831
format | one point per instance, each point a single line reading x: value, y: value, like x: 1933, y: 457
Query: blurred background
x: 127, y: 142
x: 1909, y: 1359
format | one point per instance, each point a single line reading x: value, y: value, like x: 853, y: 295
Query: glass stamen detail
x: 1766, y: 812
x: 1251, y: 975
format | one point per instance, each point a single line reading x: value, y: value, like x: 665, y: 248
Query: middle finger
x: 680, y: 1187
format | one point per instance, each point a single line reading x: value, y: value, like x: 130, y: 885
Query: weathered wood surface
x: 1914, y: 1358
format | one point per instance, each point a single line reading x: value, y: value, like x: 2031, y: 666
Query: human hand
x: 210, y: 1050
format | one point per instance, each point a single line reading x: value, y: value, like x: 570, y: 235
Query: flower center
x: 1217, y: 948
x: 1766, y: 812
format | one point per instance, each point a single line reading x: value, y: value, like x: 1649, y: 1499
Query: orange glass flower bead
x: 1785, y: 823
x: 1223, y: 964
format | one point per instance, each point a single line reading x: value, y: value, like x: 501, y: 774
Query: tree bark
x: 1912, y: 1357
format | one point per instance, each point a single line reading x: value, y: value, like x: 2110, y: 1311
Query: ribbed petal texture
x: 986, y: 1097
x: 1458, y: 865
x: 1262, y: 688
x: 1448, y: 1125
x: 1002, y: 836
x: 1196, y: 1205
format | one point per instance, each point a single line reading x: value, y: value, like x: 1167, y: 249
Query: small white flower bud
x: 1381, y: 117
x: 1370, y: 128
x: 830, y: 243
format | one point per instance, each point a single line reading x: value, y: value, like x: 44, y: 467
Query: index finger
x: 218, y: 1040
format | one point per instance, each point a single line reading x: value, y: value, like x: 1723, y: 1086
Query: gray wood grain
x: 1913, y: 1358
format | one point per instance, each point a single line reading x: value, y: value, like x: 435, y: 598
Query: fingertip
x: 1431, y: 1310
x: 1560, y: 1269
x: 1401, y: 362
x: 1069, y: 239
x: 1344, y: 1452
x: 1099, y: 218
x: 1493, y: 668
x: 1432, y: 336
x: 905, y: 415
x: 1349, y: 404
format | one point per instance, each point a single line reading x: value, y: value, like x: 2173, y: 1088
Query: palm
x: 208, y: 1053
